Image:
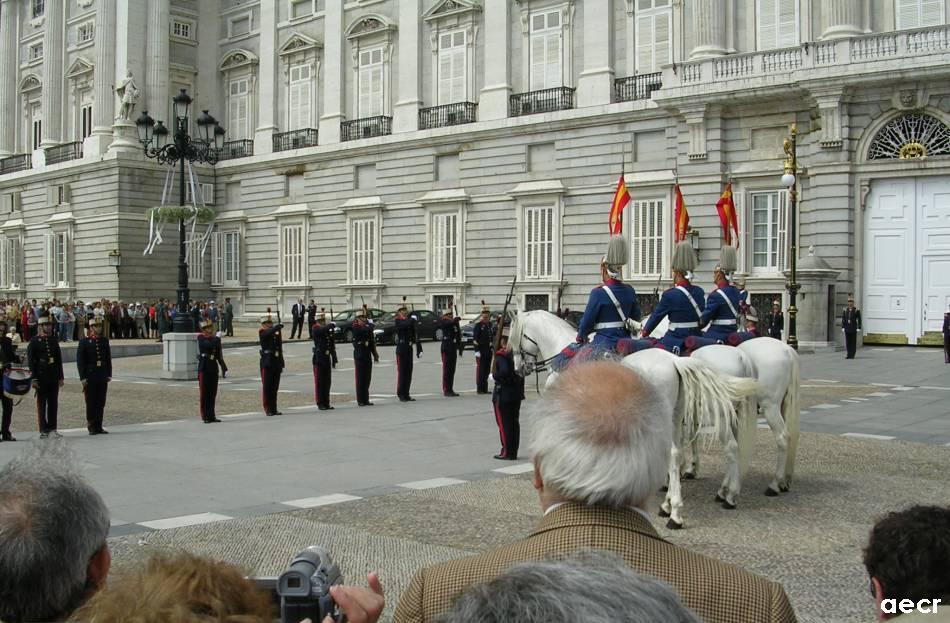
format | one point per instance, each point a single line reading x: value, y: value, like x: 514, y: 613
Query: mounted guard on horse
x: 613, y: 311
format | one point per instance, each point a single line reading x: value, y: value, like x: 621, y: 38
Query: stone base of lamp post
x: 125, y: 137
x: 180, y: 356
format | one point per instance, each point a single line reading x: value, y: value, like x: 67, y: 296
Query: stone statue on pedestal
x: 128, y: 94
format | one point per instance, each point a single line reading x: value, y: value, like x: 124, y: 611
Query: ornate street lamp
x: 789, y: 180
x: 202, y: 149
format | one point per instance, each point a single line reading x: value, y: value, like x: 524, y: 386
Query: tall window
x: 299, y: 98
x: 85, y: 116
x: 85, y: 32
x: 226, y: 265
x: 364, y: 250
x: 292, y: 254
x: 445, y: 246
x: 9, y: 262
x: 654, y: 38
x: 539, y: 242
x: 38, y: 7
x: 238, y: 109
x: 36, y: 127
x: 647, y: 236
x: 371, y: 83
x: 452, y: 67
x: 777, y: 23
x: 769, y: 218
x: 57, y: 259
x: 196, y: 265
x: 545, y: 50
x: 919, y: 13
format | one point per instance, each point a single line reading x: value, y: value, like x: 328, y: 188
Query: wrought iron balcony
x: 548, y: 100
x: 447, y: 114
x: 17, y: 162
x: 638, y: 87
x: 295, y: 139
x: 236, y: 149
x: 64, y: 152
x: 366, y: 127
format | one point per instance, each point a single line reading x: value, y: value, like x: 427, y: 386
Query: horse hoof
x: 673, y: 525
x: 664, y: 489
x: 689, y: 476
x: 720, y: 499
x: 770, y: 492
x: 663, y: 513
x: 783, y: 488
x: 729, y: 507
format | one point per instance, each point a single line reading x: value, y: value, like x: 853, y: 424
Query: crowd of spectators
x: 600, y: 440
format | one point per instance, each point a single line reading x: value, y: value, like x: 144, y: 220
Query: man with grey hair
x: 600, y: 439
x: 53, y: 529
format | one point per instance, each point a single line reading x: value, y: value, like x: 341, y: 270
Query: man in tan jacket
x: 600, y: 452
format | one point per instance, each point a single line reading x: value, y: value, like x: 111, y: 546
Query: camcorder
x: 303, y: 590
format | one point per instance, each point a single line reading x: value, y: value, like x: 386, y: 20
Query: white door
x: 935, y: 282
x: 933, y: 243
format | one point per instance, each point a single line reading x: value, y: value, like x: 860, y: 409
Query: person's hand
x: 359, y: 605
x: 224, y: 373
x: 478, y: 354
x: 61, y: 382
x: 375, y: 359
x: 84, y: 382
x: 108, y: 379
x: 414, y: 317
x: 35, y: 384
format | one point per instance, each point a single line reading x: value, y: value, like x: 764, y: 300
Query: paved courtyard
x: 396, y: 486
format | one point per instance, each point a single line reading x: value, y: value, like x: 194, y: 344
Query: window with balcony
x: 36, y: 127
x: 545, y: 49
x: 539, y: 242
x: 363, y: 246
x: 300, y: 97
x: 647, y: 237
x: 777, y: 23
x: 769, y: 239
x: 919, y: 13
x: 654, y: 28
x: 238, y: 103
x: 453, y: 62
x: 292, y: 254
x: 370, y: 87
x: 85, y: 116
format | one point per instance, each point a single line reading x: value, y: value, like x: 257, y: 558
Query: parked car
x: 425, y: 326
x: 468, y: 330
x: 574, y: 317
x: 344, y: 322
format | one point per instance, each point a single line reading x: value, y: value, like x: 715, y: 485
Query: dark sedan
x: 425, y: 326
x: 468, y: 330
x: 344, y: 322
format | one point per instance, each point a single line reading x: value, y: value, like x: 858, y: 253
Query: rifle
x: 277, y: 301
x: 372, y: 336
x: 415, y: 334
x: 501, y: 324
x: 332, y: 337
x: 458, y: 329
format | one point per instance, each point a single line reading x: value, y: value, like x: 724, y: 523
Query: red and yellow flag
x: 727, y: 215
x: 621, y: 199
x: 681, y: 216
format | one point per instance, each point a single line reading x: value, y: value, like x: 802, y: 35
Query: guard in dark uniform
x: 321, y: 332
x: 775, y: 321
x: 405, y: 326
x: 364, y: 354
x: 851, y: 325
x: 682, y: 304
x: 507, y: 397
x: 612, y: 309
x: 451, y: 349
x: 46, y: 365
x: 946, y: 336
x: 483, y: 337
x: 8, y: 357
x: 272, y: 363
x: 94, y: 362
x: 210, y: 358
x: 721, y: 313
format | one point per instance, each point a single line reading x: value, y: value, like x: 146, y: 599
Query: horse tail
x: 708, y: 398
x: 791, y: 412
x: 747, y: 425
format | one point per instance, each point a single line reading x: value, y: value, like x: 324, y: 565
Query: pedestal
x: 816, y: 311
x: 406, y: 116
x: 125, y: 137
x: 493, y: 103
x: 180, y: 356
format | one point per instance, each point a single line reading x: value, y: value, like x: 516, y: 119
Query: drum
x: 16, y: 382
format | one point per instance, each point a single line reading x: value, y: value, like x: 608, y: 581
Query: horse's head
x: 520, y: 347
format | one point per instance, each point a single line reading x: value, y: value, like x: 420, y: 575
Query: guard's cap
x: 267, y: 319
x: 485, y: 309
x: 402, y: 305
x: 684, y: 257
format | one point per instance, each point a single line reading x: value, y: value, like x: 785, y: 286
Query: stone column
x: 493, y: 103
x: 8, y: 77
x: 595, y: 84
x: 333, y: 76
x: 842, y: 18
x: 267, y: 82
x: 52, y: 98
x: 406, y: 110
x: 104, y: 76
x: 709, y: 28
x: 157, y: 98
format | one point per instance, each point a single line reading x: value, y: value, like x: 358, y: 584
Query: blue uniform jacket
x: 405, y: 334
x: 364, y: 342
x: 601, y: 309
x: 509, y: 386
x: 322, y: 333
x: 677, y: 307
x: 209, y: 355
x: 94, y: 359
x: 451, y: 334
x: 483, y: 337
x: 717, y: 314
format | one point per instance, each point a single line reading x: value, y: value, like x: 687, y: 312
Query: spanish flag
x: 727, y: 216
x: 681, y: 216
x: 621, y: 199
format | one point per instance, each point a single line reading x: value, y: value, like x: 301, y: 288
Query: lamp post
x: 203, y: 149
x: 789, y: 180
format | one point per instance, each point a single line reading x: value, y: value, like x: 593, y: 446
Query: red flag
x: 681, y: 215
x: 621, y: 199
x: 727, y: 215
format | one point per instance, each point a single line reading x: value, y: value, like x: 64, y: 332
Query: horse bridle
x: 540, y: 365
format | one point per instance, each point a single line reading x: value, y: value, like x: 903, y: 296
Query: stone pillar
x: 815, y: 326
x: 333, y: 74
x: 157, y: 98
x: 52, y: 98
x: 595, y: 84
x: 709, y: 28
x: 104, y: 76
x: 267, y: 82
x: 493, y: 103
x: 406, y: 110
x: 842, y: 18
x: 8, y: 77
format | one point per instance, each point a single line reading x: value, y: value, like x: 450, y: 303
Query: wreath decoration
x: 173, y: 213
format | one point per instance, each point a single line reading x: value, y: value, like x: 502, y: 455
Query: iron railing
x: 17, y: 162
x: 447, y: 114
x: 64, y: 152
x: 547, y: 100
x: 638, y: 87
x: 366, y: 127
x: 295, y: 139
x: 236, y: 149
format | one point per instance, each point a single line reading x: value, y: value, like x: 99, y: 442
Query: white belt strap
x: 613, y: 299
x: 735, y: 314
x: 609, y: 325
x: 683, y: 325
x: 723, y: 322
x: 689, y: 297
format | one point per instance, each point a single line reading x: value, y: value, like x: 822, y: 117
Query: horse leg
x: 774, y: 417
x: 674, y: 497
x: 729, y: 490
x: 691, y: 459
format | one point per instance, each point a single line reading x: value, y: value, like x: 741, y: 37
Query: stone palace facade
x: 439, y: 148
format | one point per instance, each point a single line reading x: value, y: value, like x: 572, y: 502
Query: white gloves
x: 478, y: 354
x: 414, y: 317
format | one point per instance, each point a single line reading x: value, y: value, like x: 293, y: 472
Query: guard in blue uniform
x: 507, y: 397
x: 210, y: 358
x: 272, y: 363
x: 749, y: 331
x: 946, y: 335
x: 613, y: 311
x: 321, y: 332
x: 483, y: 337
x: 405, y: 337
x: 46, y: 365
x: 721, y: 314
x: 364, y: 354
x: 682, y: 304
x: 451, y: 349
x: 8, y: 357
x: 94, y: 361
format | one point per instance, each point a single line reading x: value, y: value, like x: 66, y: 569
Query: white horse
x: 701, y: 398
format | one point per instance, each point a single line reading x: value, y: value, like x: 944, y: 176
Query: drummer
x: 8, y: 357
